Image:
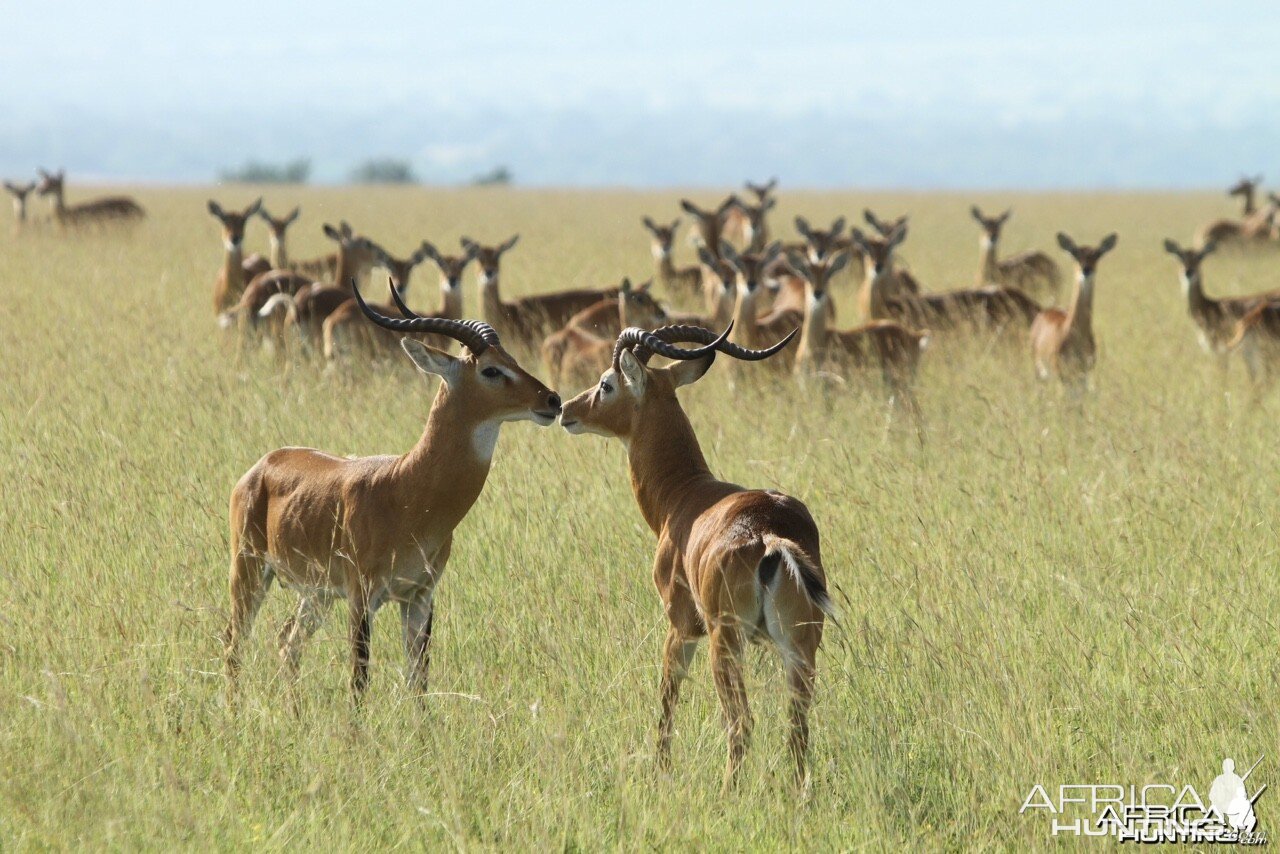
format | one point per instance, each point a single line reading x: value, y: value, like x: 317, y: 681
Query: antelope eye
x: 606, y: 387
x: 491, y: 372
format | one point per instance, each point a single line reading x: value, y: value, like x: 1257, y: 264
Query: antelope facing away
x: 1216, y: 319
x: 881, y: 344
x: 1031, y: 272
x: 1062, y: 342
x: 1255, y: 229
x: 1257, y: 337
x: 526, y: 320
x: 373, y: 530
x: 96, y: 212
x: 732, y: 564
x: 236, y: 270
x: 675, y: 280
x: 20, y: 192
x: 277, y: 230
x: 582, y: 349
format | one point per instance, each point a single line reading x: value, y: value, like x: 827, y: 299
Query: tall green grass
x: 1035, y: 596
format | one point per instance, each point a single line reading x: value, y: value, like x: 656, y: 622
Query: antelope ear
x: 706, y: 257
x: 796, y: 263
x: 838, y: 263
x: 802, y: 226
x: 837, y: 227
x: 253, y: 208
x: 508, y: 243
x: 331, y: 232
x: 1171, y: 247
x: 429, y: 250
x: 769, y: 204
x: 1066, y: 243
x: 975, y: 212
x: 632, y: 373
x: 625, y: 287
x: 687, y: 371
x: 675, y: 223
x: 729, y: 253
x: 1108, y: 243
x: 1005, y: 216
x: 1208, y: 248
x: 297, y: 211
x: 859, y: 239
x: 869, y: 217
x: 649, y: 223
x: 429, y: 360
x: 216, y: 209
x: 689, y: 207
x: 898, y: 235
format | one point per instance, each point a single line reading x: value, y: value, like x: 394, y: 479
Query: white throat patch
x: 484, y: 439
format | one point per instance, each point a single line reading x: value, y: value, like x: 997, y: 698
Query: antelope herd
x: 732, y: 565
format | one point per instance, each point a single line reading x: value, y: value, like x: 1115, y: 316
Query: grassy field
x: 1035, y: 596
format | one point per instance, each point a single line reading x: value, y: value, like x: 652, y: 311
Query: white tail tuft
x: 802, y: 569
x: 275, y: 302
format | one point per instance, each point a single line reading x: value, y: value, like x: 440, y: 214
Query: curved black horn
x: 644, y: 343
x: 473, y: 334
x: 731, y: 349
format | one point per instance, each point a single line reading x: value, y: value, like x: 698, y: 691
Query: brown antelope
x: 1257, y: 337
x: 1257, y: 228
x: 821, y: 243
x: 884, y: 344
x: 377, y: 529
x: 1216, y: 319
x: 1246, y: 188
x: 675, y: 280
x: 581, y: 350
x: 708, y: 228
x: 1029, y: 271
x: 525, y: 320
x: 745, y: 223
x: 990, y: 310
x: 1062, y: 342
x: 20, y: 192
x: 277, y: 230
x: 899, y: 281
x: 732, y: 564
x: 753, y: 330
x: 314, y: 303
x: 347, y: 324
x: 95, y: 212
x: 236, y: 270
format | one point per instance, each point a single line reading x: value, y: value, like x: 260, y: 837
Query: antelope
x: 583, y: 347
x: 674, y: 279
x: 107, y: 209
x: 1216, y: 319
x: 346, y: 320
x: 20, y: 192
x: 732, y: 564
x: 990, y: 309
x: 1062, y: 342
x: 236, y: 269
x: 899, y: 281
x: 1255, y: 228
x: 1257, y: 335
x: 526, y: 319
x: 1246, y: 188
x: 883, y: 344
x: 820, y: 244
x: 377, y: 529
x: 751, y: 330
x: 708, y: 228
x: 276, y: 232
x: 745, y: 223
x: 1028, y: 271
x: 314, y: 303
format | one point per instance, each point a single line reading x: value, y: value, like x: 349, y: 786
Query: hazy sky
x: 961, y: 71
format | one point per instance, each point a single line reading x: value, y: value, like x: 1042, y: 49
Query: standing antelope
x: 20, y: 192
x: 346, y: 322
x: 1028, y: 271
x: 1246, y: 188
x: 1215, y: 319
x: 732, y: 564
x: 752, y: 329
x: 1062, y: 342
x: 883, y: 344
x: 97, y: 211
x: 527, y: 320
x: 898, y: 281
x: 314, y: 303
x: 675, y: 280
x: 377, y: 529
x: 581, y: 350
x: 745, y: 223
x: 236, y: 270
x: 707, y: 234
x: 1254, y: 229
x: 276, y: 232
x: 980, y: 310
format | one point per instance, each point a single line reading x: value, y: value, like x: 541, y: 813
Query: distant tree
x: 497, y: 177
x: 384, y: 170
x: 258, y: 172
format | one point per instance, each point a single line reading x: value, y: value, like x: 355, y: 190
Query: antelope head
x: 710, y: 220
x: 398, y: 269
x: 496, y: 389
x: 1086, y: 257
x: 1190, y: 259
x: 821, y: 242
x: 763, y: 191
x: 991, y: 225
x: 879, y: 250
x: 233, y: 223
x: 50, y: 182
x: 752, y: 267
x: 1246, y: 186
x: 638, y: 307
x: 632, y: 396
x: 276, y: 228
x: 489, y: 257
x: 818, y: 274
x: 19, y: 193
x: 884, y: 227
x: 664, y: 236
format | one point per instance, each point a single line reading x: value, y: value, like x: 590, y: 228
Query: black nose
x: 554, y: 401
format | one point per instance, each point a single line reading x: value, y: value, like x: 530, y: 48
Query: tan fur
x: 112, y: 209
x: 1062, y: 342
x: 578, y: 353
x: 1032, y: 271
x: 676, y: 281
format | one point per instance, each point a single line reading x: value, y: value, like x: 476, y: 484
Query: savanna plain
x: 1035, y: 594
